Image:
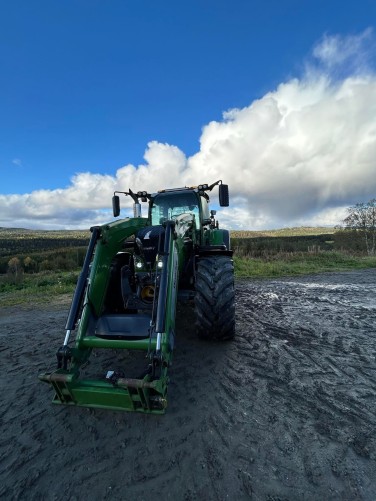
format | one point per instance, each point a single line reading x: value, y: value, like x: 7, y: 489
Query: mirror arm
x: 215, y: 184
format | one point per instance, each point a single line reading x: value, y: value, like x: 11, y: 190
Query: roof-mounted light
x: 143, y: 195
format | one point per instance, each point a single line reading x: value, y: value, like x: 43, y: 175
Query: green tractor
x: 135, y: 271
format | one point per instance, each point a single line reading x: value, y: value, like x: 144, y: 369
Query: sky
x: 277, y: 99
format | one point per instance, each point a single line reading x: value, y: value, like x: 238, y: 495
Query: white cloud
x: 242, y: 217
x: 298, y: 155
x: 165, y: 166
x: 301, y: 148
x: 354, y: 51
x: 17, y: 161
x: 88, y: 198
x: 331, y: 216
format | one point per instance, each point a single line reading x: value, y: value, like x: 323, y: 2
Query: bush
x: 349, y: 240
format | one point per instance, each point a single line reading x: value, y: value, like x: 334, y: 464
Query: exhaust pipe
x: 136, y: 210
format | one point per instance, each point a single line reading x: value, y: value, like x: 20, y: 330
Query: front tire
x: 215, y: 298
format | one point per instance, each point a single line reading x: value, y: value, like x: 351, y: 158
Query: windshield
x: 169, y: 205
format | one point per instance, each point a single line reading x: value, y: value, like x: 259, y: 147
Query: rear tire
x: 215, y: 298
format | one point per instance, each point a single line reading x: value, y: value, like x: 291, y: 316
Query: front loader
x: 135, y: 271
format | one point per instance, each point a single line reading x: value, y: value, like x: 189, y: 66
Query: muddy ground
x: 287, y: 411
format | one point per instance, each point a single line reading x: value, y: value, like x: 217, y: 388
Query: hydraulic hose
x: 163, y: 287
x: 81, y: 283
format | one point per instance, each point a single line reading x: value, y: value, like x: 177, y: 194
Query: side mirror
x: 116, y: 205
x: 223, y: 195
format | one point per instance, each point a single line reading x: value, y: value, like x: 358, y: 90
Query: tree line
x: 360, y: 224
x: 10, y: 246
x: 59, y: 260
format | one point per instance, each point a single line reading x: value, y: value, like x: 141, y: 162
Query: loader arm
x: 100, y: 330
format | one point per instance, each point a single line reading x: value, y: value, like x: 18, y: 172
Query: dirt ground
x: 287, y: 411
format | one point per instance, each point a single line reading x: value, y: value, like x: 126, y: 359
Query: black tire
x: 215, y: 298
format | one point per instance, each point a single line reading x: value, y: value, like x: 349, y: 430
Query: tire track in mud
x: 285, y: 411
x: 312, y: 371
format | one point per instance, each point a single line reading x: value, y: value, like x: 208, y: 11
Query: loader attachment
x: 142, y: 319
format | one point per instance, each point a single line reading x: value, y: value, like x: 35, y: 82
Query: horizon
x: 271, y: 230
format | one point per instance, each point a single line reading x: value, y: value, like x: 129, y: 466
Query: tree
x: 14, y: 266
x: 45, y: 265
x: 362, y: 219
x: 15, y: 269
x: 29, y: 265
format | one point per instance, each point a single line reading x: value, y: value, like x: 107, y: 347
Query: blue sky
x: 86, y: 86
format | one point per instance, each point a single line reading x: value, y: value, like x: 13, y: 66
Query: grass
x: 45, y: 287
x: 302, y: 231
x: 37, y: 289
x: 300, y: 264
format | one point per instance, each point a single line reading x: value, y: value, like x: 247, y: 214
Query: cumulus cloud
x: 307, y: 146
x: 86, y: 200
x: 298, y: 155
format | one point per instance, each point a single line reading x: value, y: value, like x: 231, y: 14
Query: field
x: 286, y: 411
x: 19, y: 240
x: 45, y: 247
x: 35, y: 265
x: 301, y: 231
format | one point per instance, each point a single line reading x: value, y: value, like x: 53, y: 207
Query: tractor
x: 135, y: 271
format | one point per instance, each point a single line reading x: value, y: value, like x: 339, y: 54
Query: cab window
x: 169, y: 205
x: 205, y: 208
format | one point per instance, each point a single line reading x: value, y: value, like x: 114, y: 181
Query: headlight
x: 138, y: 263
x: 159, y: 262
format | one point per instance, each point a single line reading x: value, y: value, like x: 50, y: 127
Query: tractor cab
x: 170, y: 204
